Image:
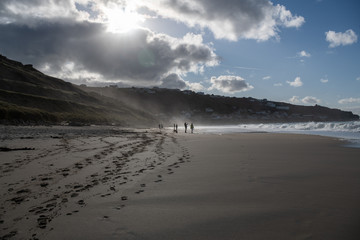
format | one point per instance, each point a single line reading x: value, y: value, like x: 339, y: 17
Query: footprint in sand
x: 44, y: 184
x: 42, y: 221
x: 120, y: 207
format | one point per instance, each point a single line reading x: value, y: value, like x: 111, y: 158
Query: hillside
x: 28, y: 96
x: 172, y: 105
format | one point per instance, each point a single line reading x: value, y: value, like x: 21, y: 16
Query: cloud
x: 358, y: 78
x: 173, y: 81
x: 141, y: 57
x: 229, y: 19
x: 296, y: 83
x: 229, y: 84
x: 305, y: 100
x: 70, y: 38
x: 248, y: 68
x: 303, y: 54
x: 266, y: 77
x: 349, y: 100
x: 29, y: 12
x: 324, y: 80
x: 310, y: 100
x: 33, y: 12
x: 338, y: 38
x: 195, y: 86
x: 295, y: 100
x: 278, y: 84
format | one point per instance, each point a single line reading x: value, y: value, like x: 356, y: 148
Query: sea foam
x: 349, y: 131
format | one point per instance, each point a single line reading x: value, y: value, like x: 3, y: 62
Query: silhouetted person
x: 192, y: 127
x: 176, y: 128
x: 185, y: 125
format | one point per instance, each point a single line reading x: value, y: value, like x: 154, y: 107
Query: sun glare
x: 122, y: 20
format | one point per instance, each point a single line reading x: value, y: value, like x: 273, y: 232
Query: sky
x: 303, y: 52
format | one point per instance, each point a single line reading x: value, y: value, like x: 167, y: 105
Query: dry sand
x: 106, y: 183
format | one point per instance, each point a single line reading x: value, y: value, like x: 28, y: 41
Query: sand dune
x: 109, y: 183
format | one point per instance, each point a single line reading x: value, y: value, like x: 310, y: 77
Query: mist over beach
x: 179, y: 119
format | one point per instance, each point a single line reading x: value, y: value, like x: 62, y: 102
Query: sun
x: 122, y: 20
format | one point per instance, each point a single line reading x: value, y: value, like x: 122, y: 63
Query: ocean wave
x: 353, y: 126
x: 349, y: 131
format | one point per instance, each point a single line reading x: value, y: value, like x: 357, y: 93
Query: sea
x: 347, y: 131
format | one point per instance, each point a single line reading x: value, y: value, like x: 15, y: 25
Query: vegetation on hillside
x: 28, y: 96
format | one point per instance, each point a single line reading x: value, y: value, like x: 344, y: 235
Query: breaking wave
x: 344, y: 130
x: 353, y: 126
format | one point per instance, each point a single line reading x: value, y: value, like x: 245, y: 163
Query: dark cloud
x: 173, y: 81
x: 140, y: 56
x: 70, y: 39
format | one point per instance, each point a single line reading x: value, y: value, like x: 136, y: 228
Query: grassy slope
x: 177, y: 104
x: 27, y: 95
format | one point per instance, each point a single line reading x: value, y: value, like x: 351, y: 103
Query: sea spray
x: 344, y: 130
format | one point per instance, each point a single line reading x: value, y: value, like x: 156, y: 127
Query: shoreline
x: 143, y: 184
x: 347, y: 131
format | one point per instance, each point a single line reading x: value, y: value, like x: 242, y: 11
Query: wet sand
x: 105, y: 183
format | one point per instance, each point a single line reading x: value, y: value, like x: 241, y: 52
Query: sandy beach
x: 111, y: 183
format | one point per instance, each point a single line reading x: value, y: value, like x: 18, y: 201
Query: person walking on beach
x: 175, y: 128
x: 185, y: 125
x: 192, y: 127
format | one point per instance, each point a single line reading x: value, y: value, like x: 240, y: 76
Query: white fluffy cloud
x: 305, y: 100
x: 324, y: 80
x: 310, y: 100
x: 229, y: 19
x: 338, y: 38
x: 195, y: 86
x: 303, y: 53
x: 229, y: 84
x: 266, y: 77
x: 349, y: 100
x: 174, y: 81
x: 295, y: 100
x: 296, y: 83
